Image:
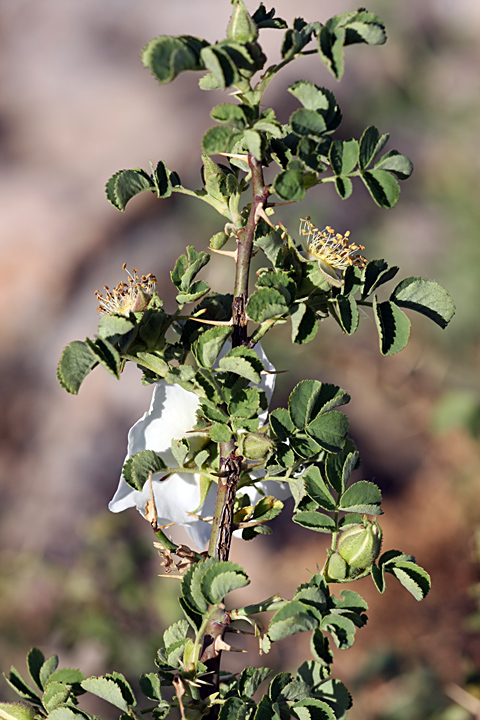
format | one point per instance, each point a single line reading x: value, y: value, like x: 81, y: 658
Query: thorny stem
x: 230, y: 463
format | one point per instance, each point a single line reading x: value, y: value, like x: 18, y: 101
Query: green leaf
x: 317, y: 489
x: 382, y: 186
x: 266, y: 303
x: 137, y: 469
x: 150, y: 686
x: 413, y: 577
x: 15, y: 680
x: 339, y: 467
x: 220, y: 433
x: 400, y: 165
x: 168, y: 56
x: 311, y: 96
x: 250, y: 680
x: 308, y: 123
x: 371, y: 144
x: 393, y: 326
x: 234, y: 708
x: 304, y: 323
x: 281, y: 423
x: 426, y: 297
x: 114, y: 327
x: 244, y: 403
x: 48, y: 667
x: 375, y: 274
x: 253, y: 140
x: 187, y: 267
x: 106, y: 354
x: 329, y: 430
x: 229, y: 114
x: 362, y: 497
x: 125, y: 184
x: 17, y: 711
x: 69, y: 676
x: 55, y: 694
x: 244, y: 362
x: 221, y: 579
x: 343, y: 156
x: 64, y: 713
x: 106, y: 689
x: 288, y: 185
x: 313, y: 520
x: 192, y: 585
x: 348, y: 314
x: 218, y: 140
x: 343, y: 186
x: 330, y: 49
x: 341, y: 628
x: 217, y: 59
x: 162, y: 179
x: 310, y: 398
x: 75, y: 363
x: 195, y: 292
x: 312, y: 709
x: 209, y: 344
x: 35, y: 660
x: 264, y: 19
x: 290, y: 620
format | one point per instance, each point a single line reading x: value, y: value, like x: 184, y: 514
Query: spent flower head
x: 131, y: 296
x: 333, y: 251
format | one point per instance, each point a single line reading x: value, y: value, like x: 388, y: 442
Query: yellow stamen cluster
x: 131, y: 296
x: 330, y: 247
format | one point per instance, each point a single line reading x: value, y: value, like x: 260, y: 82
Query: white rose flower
x: 171, y: 415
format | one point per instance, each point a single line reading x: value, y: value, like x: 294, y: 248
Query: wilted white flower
x: 171, y: 416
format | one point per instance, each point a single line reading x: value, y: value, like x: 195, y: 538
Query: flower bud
x: 357, y: 549
x: 255, y: 446
x: 241, y: 28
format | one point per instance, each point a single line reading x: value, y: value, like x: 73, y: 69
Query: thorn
x: 260, y: 212
x: 228, y: 253
x: 213, y: 322
x: 233, y: 155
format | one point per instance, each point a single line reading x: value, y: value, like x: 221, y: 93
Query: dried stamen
x: 131, y: 296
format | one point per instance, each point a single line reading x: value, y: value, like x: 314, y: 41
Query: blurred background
x: 76, y: 106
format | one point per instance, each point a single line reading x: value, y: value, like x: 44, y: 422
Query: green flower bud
x: 255, y: 446
x: 357, y: 549
x: 17, y: 711
x: 241, y: 27
x: 218, y: 240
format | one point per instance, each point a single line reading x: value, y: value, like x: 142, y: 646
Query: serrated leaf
x: 106, y: 354
x: 348, y: 314
x: 375, y: 274
x: 137, y: 469
x: 218, y: 61
x: 35, y: 660
x: 312, y: 709
x: 362, y: 497
x: 113, y: 327
x: 64, y: 713
x: 168, y: 56
x: 175, y: 632
x: 69, y: 676
x: 343, y: 156
x: 125, y: 184
x: 311, y: 398
x: 230, y: 114
x: 308, y: 123
x: 371, y: 144
x: 150, y: 686
x: 234, y: 708
x: 218, y: 139
x: 15, y: 680
x: 341, y: 628
x: 250, y: 680
x: 209, y: 344
x: 281, y: 423
x: 220, y: 433
x: 304, y: 323
x: 311, y: 96
x: 313, y: 520
x: 106, y: 689
x: 17, y: 711
x: 195, y: 292
x: 55, y: 694
x: 243, y: 362
x: 343, y: 186
x: 413, y: 577
x: 393, y: 326
x: 426, y: 297
x: 47, y: 669
x: 317, y: 489
x: 244, y: 403
x: 290, y: 620
x: 320, y: 647
x: 191, y: 586
x: 266, y: 303
x: 288, y: 185
x: 75, y: 363
x: 338, y: 467
x: 221, y: 579
x: 330, y: 49
x: 162, y: 178
x: 382, y: 186
x: 400, y: 165
x: 253, y: 141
